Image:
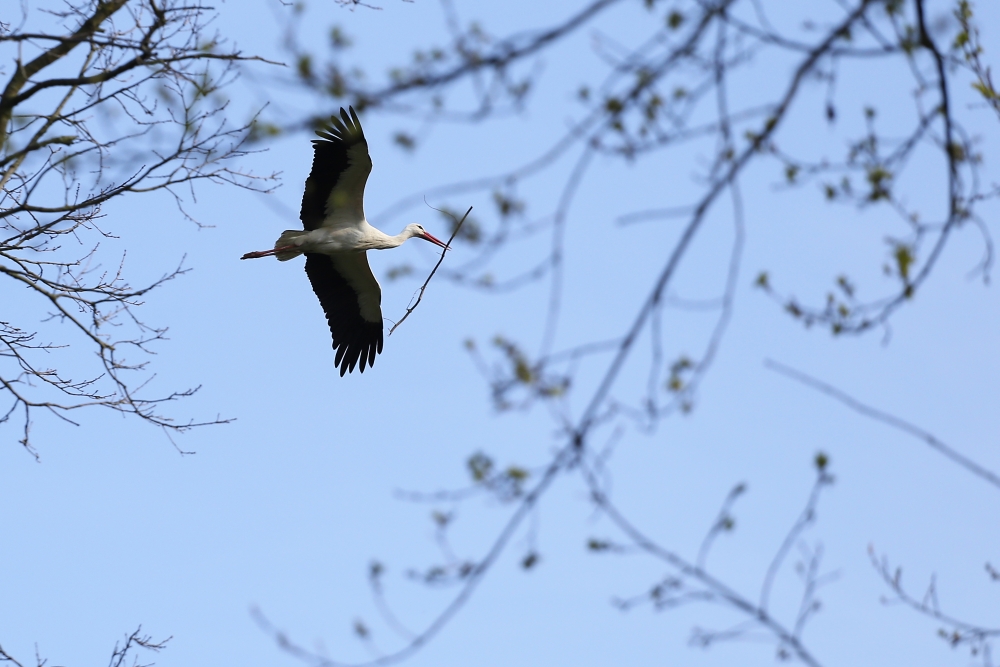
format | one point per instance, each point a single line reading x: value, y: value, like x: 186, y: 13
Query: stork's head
x: 418, y: 231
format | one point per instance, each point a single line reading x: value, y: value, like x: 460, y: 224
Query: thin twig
x: 885, y: 418
x: 420, y: 295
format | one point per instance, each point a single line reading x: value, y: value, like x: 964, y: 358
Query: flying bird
x: 335, y: 239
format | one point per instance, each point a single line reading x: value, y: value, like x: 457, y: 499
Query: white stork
x: 335, y: 239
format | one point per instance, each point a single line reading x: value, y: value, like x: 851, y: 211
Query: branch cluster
x: 675, y: 88
x: 114, y: 98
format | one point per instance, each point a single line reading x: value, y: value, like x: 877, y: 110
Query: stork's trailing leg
x: 274, y: 251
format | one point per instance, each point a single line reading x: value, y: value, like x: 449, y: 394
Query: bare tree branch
x: 123, y: 655
x: 978, y: 638
x: 153, y: 64
x: 886, y: 418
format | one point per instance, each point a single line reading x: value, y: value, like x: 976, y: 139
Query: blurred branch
x: 977, y: 638
x: 693, y: 583
x: 657, y: 94
x: 471, y: 579
x: 886, y: 418
x: 968, y: 41
x: 474, y: 54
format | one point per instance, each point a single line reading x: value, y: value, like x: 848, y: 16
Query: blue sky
x: 283, y: 509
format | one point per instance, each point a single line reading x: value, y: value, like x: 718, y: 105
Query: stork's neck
x: 382, y: 241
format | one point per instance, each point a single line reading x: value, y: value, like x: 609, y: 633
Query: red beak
x: 434, y: 240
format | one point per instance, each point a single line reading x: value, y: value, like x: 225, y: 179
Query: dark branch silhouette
x: 123, y: 655
x: 155, y: 66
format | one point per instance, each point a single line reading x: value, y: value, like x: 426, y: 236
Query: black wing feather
x: 330, y: 161
x: 354, y: 337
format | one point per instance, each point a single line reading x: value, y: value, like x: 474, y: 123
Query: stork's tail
x: 288, y: 238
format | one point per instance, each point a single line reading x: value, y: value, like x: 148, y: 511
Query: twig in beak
x: 446, y: 248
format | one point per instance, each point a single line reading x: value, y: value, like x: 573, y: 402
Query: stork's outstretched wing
x: 335, y: 189
x: 351, y: 299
